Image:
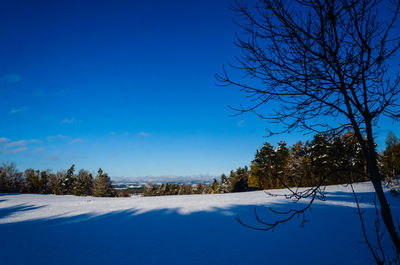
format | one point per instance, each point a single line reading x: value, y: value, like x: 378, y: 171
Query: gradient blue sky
x: 124, y: 85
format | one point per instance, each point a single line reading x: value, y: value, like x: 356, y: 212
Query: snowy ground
x: 190, y: 229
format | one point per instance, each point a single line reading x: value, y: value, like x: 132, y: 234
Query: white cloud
x: 39, y: 150
x: 21, y: 143
x: 14, y: 111
x: 14, y: 151
x: 55, y: 137
x: 16, y: 143
x: 241, y: 123
x: 4, y: 140
x: 77, y: 140
x: 52, y: 158
x: 68, y: 121
x: 14, y: 147
x: 144, y: 134
x: 35, y: 141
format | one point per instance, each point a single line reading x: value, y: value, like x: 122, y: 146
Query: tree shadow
x: 7, y: 194
x: 167, y: 236
x: 4, y: 212
x: 346, y: 197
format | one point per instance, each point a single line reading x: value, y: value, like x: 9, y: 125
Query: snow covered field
x: 189, y: 229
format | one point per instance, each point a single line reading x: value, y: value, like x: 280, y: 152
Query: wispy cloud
x: 11, y: 78
x: 39, y: 150
x: 241, y: 123
x: 143, y: 134
x: 52, y: 158
x: 14, y: 111
x: 13, y: 147
x: 68, y: 121
x: 35, y: 141
x: 14, y: 151
x: 77, y: 140
x: 16, y: 143
x: 4, y: 140
x: 53, y: 138
x: 20, y: 142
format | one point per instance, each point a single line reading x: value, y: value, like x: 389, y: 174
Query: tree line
x: 176, y: 189
x: 61, y: 183
x: 328, y: 159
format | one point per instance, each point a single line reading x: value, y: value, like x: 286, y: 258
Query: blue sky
x: 127, y: 86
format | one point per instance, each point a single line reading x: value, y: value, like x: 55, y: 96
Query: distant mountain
x: 164, y: 179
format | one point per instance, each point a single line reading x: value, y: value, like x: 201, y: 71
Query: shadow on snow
x: 4, y: 212
x: 165, y: 236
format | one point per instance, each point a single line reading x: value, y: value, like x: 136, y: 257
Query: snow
x: 188, y: 229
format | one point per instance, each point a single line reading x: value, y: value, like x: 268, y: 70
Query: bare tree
x: 324, y: 66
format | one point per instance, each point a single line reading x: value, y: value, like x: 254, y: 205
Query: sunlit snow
x: 188, y: 229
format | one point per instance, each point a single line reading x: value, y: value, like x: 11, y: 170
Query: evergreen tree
x: 239, y: 179
x: 320, y: 163
x: 225, y: 185
x: 280, y: 165
x: 298, y: 165
x: 69, y: 180
x: 102, y: 185
x: 215, y: 186
x: 349, y: 159
x: 65, y: 181
x: 391, y: 156
x: 83, y: 183
x: 262, y: 168
x: 254, y: 181
x: 59, y: 187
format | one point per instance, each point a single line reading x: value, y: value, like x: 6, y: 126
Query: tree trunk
x: 385, y: 211
x: 377, y: 183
